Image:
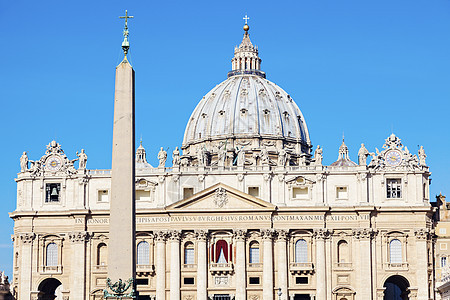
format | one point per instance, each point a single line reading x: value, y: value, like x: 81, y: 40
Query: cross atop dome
x: 246, y: 59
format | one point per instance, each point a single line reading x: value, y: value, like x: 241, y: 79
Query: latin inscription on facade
x: 232, y: 218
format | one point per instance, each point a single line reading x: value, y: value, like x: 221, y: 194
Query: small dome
x: 343, y: 159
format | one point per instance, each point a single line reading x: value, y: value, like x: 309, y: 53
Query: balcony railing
x: 255, y: 265
x: 190, y: 266
x: 221, y: 268
x: 51, y: 269
x: 301, y: 268
x: 145, y: 270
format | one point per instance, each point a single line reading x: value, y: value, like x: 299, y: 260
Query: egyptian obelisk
x: 122, y: 221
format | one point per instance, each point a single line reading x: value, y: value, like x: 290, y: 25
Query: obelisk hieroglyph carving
x: 122, y: 225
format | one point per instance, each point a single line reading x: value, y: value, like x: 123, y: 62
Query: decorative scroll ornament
x: 119, y: 289
x: 53, y: 161
x: 396, y: 156
x: 221, y: 197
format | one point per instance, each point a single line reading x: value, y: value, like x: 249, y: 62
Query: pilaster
x: 239, y: 238
x: 25, y: 282
x: 267, y: 237
x: 174, y: 237
x: 78, y: 269
x: 160, y: 262
x: 282, y: 274
x: 321, y: 281
x: 422, y: 262
x: 202, y: 265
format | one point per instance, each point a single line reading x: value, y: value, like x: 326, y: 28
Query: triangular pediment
x: 220, y: 197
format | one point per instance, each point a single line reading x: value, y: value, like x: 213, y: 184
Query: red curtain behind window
x: 221, y: 245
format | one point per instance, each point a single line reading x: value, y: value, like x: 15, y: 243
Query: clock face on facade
x: 53, y: 163
x: 393, y: 158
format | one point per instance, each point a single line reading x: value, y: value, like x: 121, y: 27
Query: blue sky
x: 365, y: 68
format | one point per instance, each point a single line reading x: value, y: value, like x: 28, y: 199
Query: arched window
x: 443, y: 261
x: 51, y: 255
x: 343, y: 252
x: 301, y: 251
x: 189, y: 253
x: 102, y: 254
x: 254, y: 253
x: 143, y: 253
x: 395, y: 251
x: 221, y: 252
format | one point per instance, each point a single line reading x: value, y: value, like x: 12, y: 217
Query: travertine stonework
x: 244, y: 212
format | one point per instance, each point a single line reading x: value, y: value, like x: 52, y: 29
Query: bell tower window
x: 52, y: 192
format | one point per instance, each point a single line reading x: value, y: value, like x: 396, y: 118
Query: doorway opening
x: 396, y: 288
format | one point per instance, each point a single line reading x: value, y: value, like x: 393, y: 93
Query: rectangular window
x: 301, y: 280
x: 188, y: 192
x: 254, y: 255
x: 189, y: 256
x: 254, y: 280
x: 188, y: 280
x: 393, y: 188
x: 103, y: 196
x: 142, y: 195
x: 300, y: 193
x: 253, y: 191
x: 442, y: 230
x: 443, y: 246
x: 341, y: 193
x: 443, y: 261
x: 52, y: 192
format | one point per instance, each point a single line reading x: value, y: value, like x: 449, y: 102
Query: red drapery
x: 221, y: 245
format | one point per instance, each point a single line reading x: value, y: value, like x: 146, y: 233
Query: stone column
x: 239, y: 238
x: 321, y: 280
x: 267, y: 235
x: 202, y: 265
x: 282, y: 264
x: 422, y: 262
x: 363, y: 238
x: 26, y: 261
x: 160, y: 239
x: 78, y: 269
x: 175, y: 265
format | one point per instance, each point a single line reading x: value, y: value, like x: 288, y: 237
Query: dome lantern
x: 246, y: 59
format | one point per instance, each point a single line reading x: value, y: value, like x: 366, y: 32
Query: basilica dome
x: 247, y: 108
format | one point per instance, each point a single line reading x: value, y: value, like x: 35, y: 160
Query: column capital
x: 175, y: 235
x: 322, y: 233
x: 240, y: 234
x: 201, y: 235
x: 79, y: 236
x: 421, y: 233
x: 282, y: 235
x: 160, y: 235
x: 267, y: 234
x: 27, y: 238
x: 363, y: 233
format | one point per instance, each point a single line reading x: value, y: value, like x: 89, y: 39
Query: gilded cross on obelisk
x: 126, y: 43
